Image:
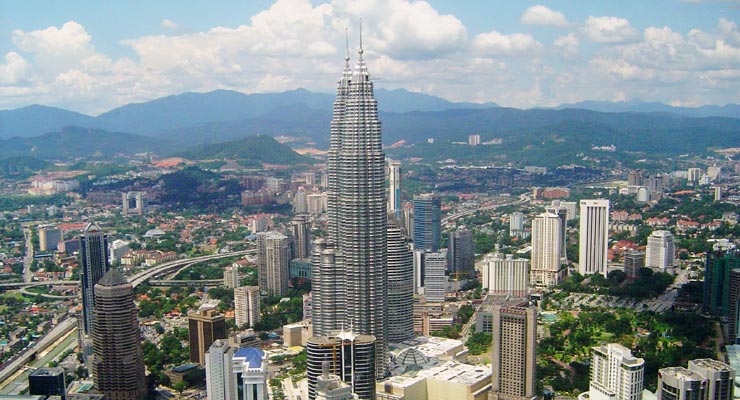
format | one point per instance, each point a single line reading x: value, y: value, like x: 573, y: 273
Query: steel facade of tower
x: 356, y: 205
x: 400, y: 287
x: 593, y: 240
x: 118, y: 364
x: 394, y: 187
x: 94, y: 264
x: 427, y: 221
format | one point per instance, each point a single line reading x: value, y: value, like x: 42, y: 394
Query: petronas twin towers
x: 357, y: 218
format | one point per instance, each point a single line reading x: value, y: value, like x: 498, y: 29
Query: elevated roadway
x: 524, y: 198
x: 9, y: 369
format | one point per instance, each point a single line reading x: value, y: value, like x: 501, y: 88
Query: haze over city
x: 91, y: 57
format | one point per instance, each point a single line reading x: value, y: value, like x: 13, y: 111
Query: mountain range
x: 174, y: 124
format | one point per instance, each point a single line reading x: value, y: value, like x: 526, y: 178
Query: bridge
x: 187, y: 283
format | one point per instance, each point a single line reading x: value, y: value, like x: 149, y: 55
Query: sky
x: 92, y: 56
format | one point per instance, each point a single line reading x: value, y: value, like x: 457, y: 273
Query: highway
x: 9, y: 373
x: 522, y: 199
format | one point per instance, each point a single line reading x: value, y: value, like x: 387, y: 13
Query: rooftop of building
x: 184, y: 368
x: 430, y: 346
x: 49, y: 371
x: 450, y: 371
x: 680, y: 373
x: 252, y: 357
x: 112, y: 278
x: 711, y: 364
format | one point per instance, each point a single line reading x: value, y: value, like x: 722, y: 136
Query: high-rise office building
x: 394, y: 188
x: 350, y: 356
x: 504, y: 275
x: 357, y: 209
x: 514, y: 332
x: 250, y: 374
x: 716, y: 290
x: 615, y: 373
x: 300, y: 202
x: 435, y: 280
x: 220, y: 384
x: 49, y: 237
x: 203, y: 329
x: 547, y: 250
x: 273, y: 255
x: 633, y: 261
x: 461, y: 254
x: 733, y: 323
x: 118, y: 363
x: 299, y: 230
x: 427, y: 221
x: 661, y: 250
x: 593, y: 242
x: 93, y: 265
x: 48, y: 382
x: 679, y: 383
x: 557, y: 208
x: 133, y: 203
x: 247, y: 305
x: 720, y: 377
x: 516, y: 225
x: 400, y: 287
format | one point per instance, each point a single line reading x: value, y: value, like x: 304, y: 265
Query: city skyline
x: 524, y: 54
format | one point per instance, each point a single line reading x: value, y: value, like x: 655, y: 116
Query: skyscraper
x: 435, y: 280
x: 513, y: 359
x: 593, y: 242
x: 247, y: 305
x: 394, y: 188
x: 203, y: 329
x: 547, y: 250
x: 299, y: 229
x: 93, y: 265
x: 273, y: 255
x: 118, y: 363
x: 357, y: 210
x: 461, y: 254
x: 615, y: 373
x: 427, y: 219
x: 328, y: 289
x: 660, y: 251
x: 220, y: 383
x: 400, y: 287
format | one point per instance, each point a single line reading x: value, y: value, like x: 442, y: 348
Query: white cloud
x: 168, y: 24
x: 409, y: 44
x: 609, y: 30
x: 14, y: 69
x: 55, y: 49
x: 567, y: 45
x: 543, y: 15
x: 497, y: 44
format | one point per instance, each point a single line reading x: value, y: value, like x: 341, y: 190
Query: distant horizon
x: 634, y: 100
x: 91, y: 57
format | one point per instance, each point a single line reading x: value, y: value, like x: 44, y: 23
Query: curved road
x: 8, y: 372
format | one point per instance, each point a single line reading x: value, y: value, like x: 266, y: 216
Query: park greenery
x: 648, y: 284
x: 662, y: 339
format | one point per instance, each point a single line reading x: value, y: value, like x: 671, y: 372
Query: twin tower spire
x: 360, y: 68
